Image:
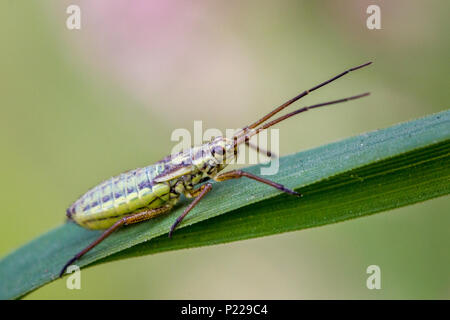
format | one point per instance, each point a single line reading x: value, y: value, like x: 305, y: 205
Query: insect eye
x: 218, y: 150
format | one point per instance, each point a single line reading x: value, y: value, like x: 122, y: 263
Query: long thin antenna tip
x: 362, y: 95
x: 361, y: 66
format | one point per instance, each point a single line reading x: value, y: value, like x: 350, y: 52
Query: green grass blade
x: 362, y: 175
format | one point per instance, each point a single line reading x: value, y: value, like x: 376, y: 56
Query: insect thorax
x: 197, y: 164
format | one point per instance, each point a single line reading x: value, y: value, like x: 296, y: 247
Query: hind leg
x: 135, y: 218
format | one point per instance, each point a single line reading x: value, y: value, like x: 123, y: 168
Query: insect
x: 145, y: 193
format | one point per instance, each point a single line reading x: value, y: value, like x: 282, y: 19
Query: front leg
x: 236, y: 174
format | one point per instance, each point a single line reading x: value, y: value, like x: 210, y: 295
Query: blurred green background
x: 78, y: 106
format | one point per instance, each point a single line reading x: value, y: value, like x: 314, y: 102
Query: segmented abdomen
x: 103, y: 205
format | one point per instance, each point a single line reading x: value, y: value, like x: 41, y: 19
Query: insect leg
x: 236, y: 174
x: 199, y: 194
x: 135, y: 218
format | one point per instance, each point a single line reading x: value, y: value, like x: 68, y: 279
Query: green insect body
x: 150, y: 187
x: 116, y: 197
x: 144, y: 193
